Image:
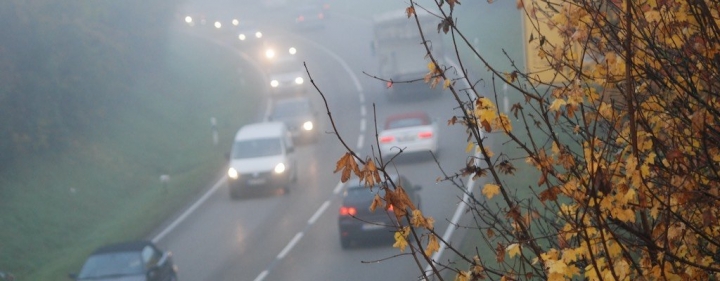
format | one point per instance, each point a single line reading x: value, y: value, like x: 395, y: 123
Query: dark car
x: 299, y: 116
x: 128, y: 261
x: 357, y: 222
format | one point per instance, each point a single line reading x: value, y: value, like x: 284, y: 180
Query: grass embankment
x: 56, y: 209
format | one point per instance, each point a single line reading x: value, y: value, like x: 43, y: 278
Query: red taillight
x: 301, y: 18
x: 390, y: 207
x: 425, y: 135
x: 387, y: 139
x: 348, y: 211
x: 320, y: 16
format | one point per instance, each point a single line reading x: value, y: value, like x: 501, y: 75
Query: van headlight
x: 308, y: 125
x: 232, y: 173
x: 299, y: 80
x: 274, y: 83
x: 280, y: 168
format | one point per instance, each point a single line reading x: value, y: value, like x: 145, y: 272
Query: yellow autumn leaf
x: 432, y: 246
x: 401, y: 238
x: 469, y: 147
x: 447, y: 83
x: 431, y: 67
x: 490, y: 190
x: 513, y: 250
x: 555, y: 106
x: 462, y: 276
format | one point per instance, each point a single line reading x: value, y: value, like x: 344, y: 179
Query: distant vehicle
x: 129, y: 261
x: 310, y: 17
x: 413, y: 132
x: 262, y: 156
x: 249, y: 34
x: 397, y: 46
x: 299, y: 115
x: 286, y: 75
x: 357, y: 222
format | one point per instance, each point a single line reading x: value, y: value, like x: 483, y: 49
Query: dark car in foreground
x: 128, y: 261
x: 299, y: 116
x: 356, y: 222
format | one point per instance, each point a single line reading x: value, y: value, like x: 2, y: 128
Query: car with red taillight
x: 411, y: 132
x: 356, y: 222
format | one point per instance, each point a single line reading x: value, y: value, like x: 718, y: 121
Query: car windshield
x: 291, y: 108
x: 286, y: 66
x: 256, y: 148
x: 405, y: 122
x: 112, y: 264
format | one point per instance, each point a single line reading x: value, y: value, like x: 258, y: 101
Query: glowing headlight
x: 299, y: 80
x: 280, y: 168
x: 269, y: 53
x: 241, y: 37
x: 258, y: 34
x: 235, y: 22
x: 274, y: 83
x: 188, y: 19
x: 218, y: 24
x: 308, y: 126
x: 292, y: 50
x: 232, y: 173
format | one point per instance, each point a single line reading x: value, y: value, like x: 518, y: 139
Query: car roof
x: 408, y: 115
x: 261, y: 130
x: 129, y: 246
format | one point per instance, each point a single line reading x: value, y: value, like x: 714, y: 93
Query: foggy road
x: 295, y: 236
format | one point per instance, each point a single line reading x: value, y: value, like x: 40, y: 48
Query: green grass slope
x: 55, y: 209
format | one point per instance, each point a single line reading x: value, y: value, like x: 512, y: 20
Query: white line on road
x: 262, y: 275
x: 361, y: 140
x: 362, y: 125
x: 363, y: 111
x: 319, y: 212
x: 338, y: 188
x: 290, y: 245
x: 362, y: 98
x: 189, y: 211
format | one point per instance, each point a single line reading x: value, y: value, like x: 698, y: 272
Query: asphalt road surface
x: 276, y: 236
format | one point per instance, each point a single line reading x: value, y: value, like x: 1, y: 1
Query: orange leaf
x: 410, y: 11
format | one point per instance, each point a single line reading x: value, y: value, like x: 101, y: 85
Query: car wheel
x: 344, y: 243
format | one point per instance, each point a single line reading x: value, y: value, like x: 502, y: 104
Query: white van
x: 262, y: 156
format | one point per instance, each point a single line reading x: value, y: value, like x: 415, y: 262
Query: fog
x: 107, y: 132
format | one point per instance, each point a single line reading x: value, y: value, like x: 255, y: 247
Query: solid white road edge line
x: 319, y: 212
x: 188, y: 211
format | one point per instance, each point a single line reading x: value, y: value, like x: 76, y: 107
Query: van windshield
x: 256, y: 148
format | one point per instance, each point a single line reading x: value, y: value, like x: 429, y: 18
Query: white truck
x: 401, y: 55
